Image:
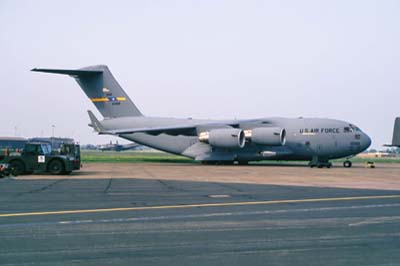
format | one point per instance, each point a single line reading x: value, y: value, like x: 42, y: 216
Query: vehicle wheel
x: 329, y: 165
x: 347, y: 164
x: 17, y: 168
x: 56, y: 167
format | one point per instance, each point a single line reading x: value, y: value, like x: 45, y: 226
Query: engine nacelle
x: 229, y: 138
x: 271, y: 136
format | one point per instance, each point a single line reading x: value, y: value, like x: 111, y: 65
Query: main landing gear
x: 320, y: 164
x: 347, y: 164
x: 316, y: 162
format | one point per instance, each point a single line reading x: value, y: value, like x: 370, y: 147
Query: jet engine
x: 229, y: 138
x: 271, y: 136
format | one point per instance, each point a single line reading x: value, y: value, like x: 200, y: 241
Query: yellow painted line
x: 244, y: 203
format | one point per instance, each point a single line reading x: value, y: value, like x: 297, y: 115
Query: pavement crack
x: 165, y: 184
x: 168, y: 186
x: 46, y: 187
x: 108, y: 186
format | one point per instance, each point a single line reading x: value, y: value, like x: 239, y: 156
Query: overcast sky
x: 202, y: 59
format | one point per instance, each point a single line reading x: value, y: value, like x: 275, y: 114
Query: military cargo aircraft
x: 316, y: 140
x: 118, y: 147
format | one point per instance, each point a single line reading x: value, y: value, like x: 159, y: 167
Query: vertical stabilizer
x: 396, y: 133
x: 102, y: 89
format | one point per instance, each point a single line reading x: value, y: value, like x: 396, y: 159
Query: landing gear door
x: 311, y: 138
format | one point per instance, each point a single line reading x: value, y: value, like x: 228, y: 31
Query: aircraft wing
x: 172, y: 130
x: 187, y: 130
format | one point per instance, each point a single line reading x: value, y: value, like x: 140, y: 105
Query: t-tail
x: 102, y: 89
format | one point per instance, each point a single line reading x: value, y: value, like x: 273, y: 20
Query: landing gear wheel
x: 320, y: 164
x: 226, y: 162
x: 56, y: 167
x: 209, y: 162
x: 17, y: 168
x: 347, y: 164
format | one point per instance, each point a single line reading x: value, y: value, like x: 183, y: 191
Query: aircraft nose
x: 366, y: 141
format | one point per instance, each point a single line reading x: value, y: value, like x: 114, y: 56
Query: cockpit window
x: 351, y: 128
x: 347, y: 130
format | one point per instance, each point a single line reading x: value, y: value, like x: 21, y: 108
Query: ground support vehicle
x: 38, y: 157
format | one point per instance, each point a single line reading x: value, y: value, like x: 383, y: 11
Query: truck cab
x: 72, y: 150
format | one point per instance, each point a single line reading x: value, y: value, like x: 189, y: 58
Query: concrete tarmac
x: 385, y: 176
x: 83, y: 220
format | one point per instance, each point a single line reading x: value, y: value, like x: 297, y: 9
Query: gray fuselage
x: 305, y: 138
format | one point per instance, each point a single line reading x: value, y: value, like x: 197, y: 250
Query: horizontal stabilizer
x: 68, y: 71
x: 95, y: 123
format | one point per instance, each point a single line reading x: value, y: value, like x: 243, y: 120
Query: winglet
x: 95, y: 123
